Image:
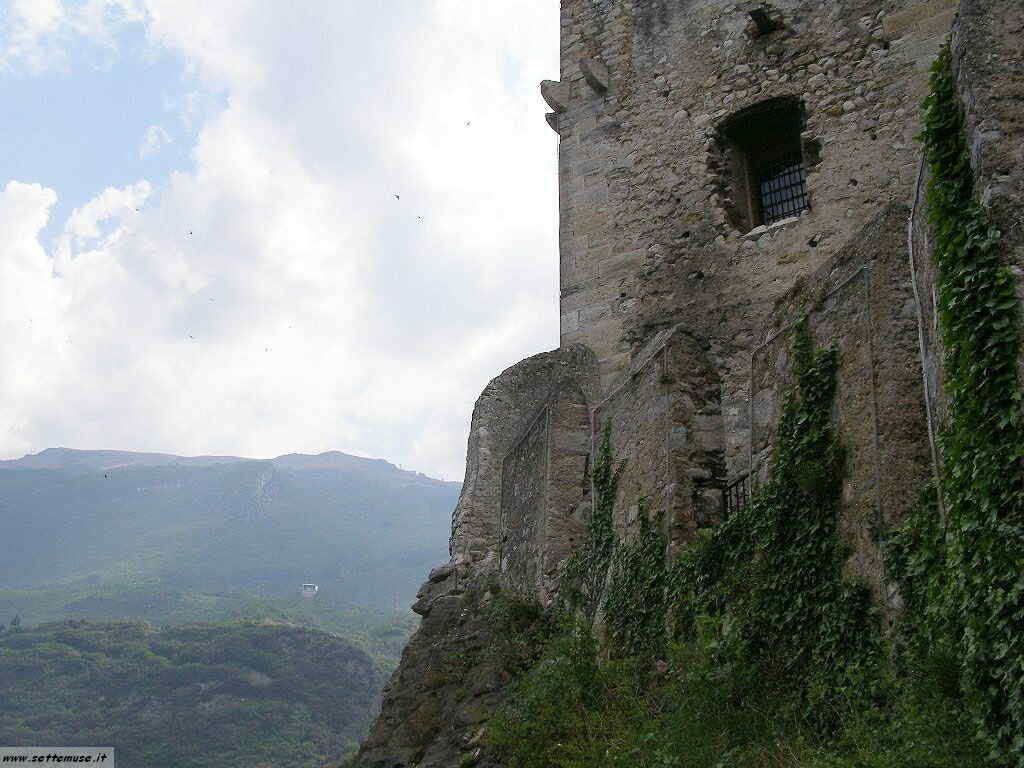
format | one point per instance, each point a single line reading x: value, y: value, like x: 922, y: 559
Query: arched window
x: 761, y: 163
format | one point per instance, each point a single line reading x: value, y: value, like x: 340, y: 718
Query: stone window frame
x: 749, y: 141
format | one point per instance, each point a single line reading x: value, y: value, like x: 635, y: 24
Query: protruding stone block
x: 595, y: 73
x: 556, y: 94
x: 441, y: 572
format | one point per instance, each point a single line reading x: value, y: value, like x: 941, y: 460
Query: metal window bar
x: 783, y: 189
x: 736, y: 496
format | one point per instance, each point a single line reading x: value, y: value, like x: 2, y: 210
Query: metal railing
x: 736, y: 495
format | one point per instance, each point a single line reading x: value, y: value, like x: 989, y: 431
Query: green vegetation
x: 771, y: 575
x: 684, y: 710
x: 240, y: 694
x: 963, y: 576
x: 636, y: 604
x: 585, y: 574
x: 750, y: 650
x: 184, y: 543
x: 380, y: 632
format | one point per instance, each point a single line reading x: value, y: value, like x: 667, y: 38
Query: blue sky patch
x: 81, y: 128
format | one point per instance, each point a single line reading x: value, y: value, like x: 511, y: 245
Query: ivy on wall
x: 636, y: 604
x: 964, y: 576
x: 585, y: 574
x: 772, y: 573
x: 769, y: 578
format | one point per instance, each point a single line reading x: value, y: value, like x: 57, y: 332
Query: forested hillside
x: 118, y: 535
x: 242, y: 694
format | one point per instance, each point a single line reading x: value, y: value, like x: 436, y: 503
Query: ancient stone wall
x: 543, y: 486
x: 989, y: 63
x: 646, y: 242
x: 505, y: 407
x: 665, y: 423
x: 860, y: 303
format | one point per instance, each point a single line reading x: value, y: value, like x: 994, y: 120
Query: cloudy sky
x: 201, y: 247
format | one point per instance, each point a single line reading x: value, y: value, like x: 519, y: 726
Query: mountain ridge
x: 123, y: 535
x: 111, y: 459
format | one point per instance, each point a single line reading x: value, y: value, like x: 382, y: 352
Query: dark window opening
x: 761, y: 165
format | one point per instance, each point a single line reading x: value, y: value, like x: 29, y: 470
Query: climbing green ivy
x: 582, y: 585
x: 772, y: 573
x: 965, y: 579
x: 636, y: 602
x: 624, y: 578
x: 769, y: 578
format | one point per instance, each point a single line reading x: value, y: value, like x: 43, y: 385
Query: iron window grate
x: 783, y: 189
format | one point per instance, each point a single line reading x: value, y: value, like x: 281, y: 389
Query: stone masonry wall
x: 543, y: 488
x: 989, y: 62
x: 645, y: 241
x: 862, y: 304
x: 666, y: 432
x: 502, y: 411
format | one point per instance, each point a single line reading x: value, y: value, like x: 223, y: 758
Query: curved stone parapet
x: 501, y: 412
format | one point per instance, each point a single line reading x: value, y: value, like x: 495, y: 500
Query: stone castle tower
x: 726, y: 168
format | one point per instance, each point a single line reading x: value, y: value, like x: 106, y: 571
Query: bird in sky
x: 398, y: 197
x: 468, y: 123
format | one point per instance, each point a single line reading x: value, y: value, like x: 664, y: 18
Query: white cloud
x: 31, y: 34
x: 32, y: 303
x: 278, y: 297
x: 155, y: 139
x: 84, y: 223
x: 35, y: 34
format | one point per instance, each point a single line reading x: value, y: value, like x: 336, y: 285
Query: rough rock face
x: 445, y: 685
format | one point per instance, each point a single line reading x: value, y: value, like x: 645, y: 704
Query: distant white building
x: 309, y: 590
